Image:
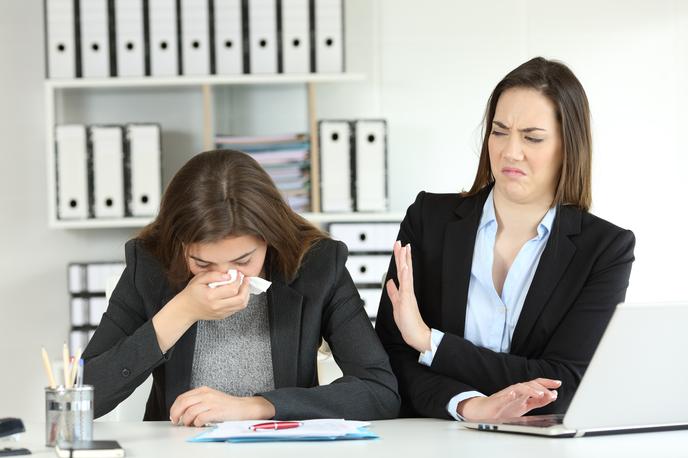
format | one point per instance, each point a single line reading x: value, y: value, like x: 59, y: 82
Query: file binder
x: 367, y: 269
x: 96, y: 307
x: 195, y: 33
x: 107, y: 161
x: 129, y: 37
x: 95, y: 38
x: 143, y: 193
x: 79, y: 311
x: 371, y: 300
x: 262, y: 36
x: 366, y: 237
x: 61, y: 39
x: 335, y: 166
x: 295, y: 40
x: 76, y: 278
x: 329, y: 36
x: 72, y: 176
x: 164, y: 37
x: 229, y: 37
x: 371, y: 165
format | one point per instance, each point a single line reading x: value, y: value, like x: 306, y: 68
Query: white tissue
x: 258, y: 285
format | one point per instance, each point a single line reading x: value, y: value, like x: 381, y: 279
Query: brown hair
x: 225, y: 193
x: 558, y: 83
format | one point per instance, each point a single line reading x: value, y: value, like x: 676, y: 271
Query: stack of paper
x: 310, y: 430
x: 284, y: 157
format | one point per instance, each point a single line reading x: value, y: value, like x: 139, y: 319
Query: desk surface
x: 419, y: 438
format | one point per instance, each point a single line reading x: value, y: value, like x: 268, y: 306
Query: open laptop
x: 635, y: 381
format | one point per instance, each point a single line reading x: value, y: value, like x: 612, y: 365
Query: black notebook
x: 89, y: 449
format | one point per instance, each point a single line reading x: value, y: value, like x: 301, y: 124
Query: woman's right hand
x: 205, y: 303
x: 513, y: 401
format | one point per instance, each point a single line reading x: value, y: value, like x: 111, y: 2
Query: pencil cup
x: 68, y: 414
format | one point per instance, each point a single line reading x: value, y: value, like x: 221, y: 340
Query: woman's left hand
x: 405, y: 307
x: 204, y: 405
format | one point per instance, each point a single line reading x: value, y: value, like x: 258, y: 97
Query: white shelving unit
x: 60, y: 88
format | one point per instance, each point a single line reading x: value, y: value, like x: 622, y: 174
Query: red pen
x: 275, y: 425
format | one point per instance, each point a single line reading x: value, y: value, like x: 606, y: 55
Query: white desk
x: 416, y: 438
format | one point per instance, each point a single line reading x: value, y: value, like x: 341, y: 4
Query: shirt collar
x: 488, y: 217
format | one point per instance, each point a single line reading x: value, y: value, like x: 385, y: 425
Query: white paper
x: 309, y: 428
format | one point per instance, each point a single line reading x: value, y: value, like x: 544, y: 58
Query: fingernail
x: 398, y: 243
x: 554, y: 394
x: 558, y: 381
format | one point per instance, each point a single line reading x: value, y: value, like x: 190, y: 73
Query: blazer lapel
x: 284, y: 311
x: 459, y: 242
x: 553, y: 263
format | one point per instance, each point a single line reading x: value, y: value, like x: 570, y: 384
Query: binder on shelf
x: 195, y: 33
x: 368, y: 268
x: 329, y: 36
x: 107, y: 173
x: 99, y: 274
x: 371, y: 300
x: 143, y: 177
x: 76, y: 278
x: 370, y: 165
x: 129, y: 37
x: 79, y: 311
x: 164, y: 37
x: 295, y: 39
x: 229, y: 37
x: 78, y: 339
x: 71, y: 151
x: 61, y: 39
x: 95, y: 38
x: 366, y: 237
x: 335, y: 166
x: 262, y: 36
x: 96, y: 307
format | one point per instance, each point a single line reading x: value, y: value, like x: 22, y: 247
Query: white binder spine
x: 329, y: 36
x: 295, y: 36
x: 335, y: 166
x: 129, y: 37
x: 229, y: 40
x: 195, y: 37
x: 95, y: 38
x: 71, y: 149
x: 108, y: 174
x: 371, y: 165
x: 164, y: 37
x: 262, y: 31
x: 61, y: 39
x: 144, y: 168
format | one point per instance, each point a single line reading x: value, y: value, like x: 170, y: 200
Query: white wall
x: 431, y: 67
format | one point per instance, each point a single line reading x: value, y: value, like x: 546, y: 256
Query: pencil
x: 65, y: 365
x: 48, y: 369
x: 75, y: 366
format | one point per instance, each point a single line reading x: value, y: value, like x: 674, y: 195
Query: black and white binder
x: 195, y: 33
x: 329, y: 36
x: 129, y: 37
x: 76, y: 278
x: 107, y: 173
x: 164, y: 37
x: 71, y: 151
x: 262, y: 36
x: 96, y: 307
x: 335, y: 166
x: 229, y: 37
x: 370, y: 165
x: 61, y: 39
x: 295, y: 42
x: 95, y: 38
x: 79, y: 311
x: 143, y: 146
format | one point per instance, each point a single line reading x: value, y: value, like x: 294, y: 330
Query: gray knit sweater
x: 233, y: 355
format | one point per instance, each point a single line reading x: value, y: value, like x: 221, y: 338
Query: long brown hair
x: 558, y: 83
x: 225, y: 193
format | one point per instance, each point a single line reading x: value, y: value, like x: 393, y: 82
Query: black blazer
x: 322, y: 302
x: 581, y: 277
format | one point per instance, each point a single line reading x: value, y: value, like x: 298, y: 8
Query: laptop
x: 634, y: 383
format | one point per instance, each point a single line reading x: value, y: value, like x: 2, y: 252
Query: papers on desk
x: 310, y: 430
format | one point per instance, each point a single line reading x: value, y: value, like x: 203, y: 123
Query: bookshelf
x: 55, y: 90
